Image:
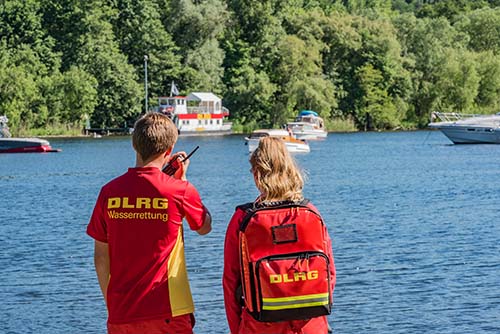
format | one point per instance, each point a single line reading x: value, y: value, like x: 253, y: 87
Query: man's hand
x: 181, y: 171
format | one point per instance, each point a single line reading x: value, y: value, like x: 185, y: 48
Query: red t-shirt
x: 139, y: 215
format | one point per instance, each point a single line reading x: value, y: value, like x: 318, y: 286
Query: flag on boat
x: 173, y: 89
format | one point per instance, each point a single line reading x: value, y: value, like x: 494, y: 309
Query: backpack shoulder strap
x: 254, y: 208
x: 245, y: 207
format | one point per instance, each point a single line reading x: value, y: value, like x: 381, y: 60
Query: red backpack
x: 284, y: 263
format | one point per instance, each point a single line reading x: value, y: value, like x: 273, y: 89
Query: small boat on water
x: 197, y: 114
x: 468, y: 128
x: 308, y: 125
x: 293, y: 144
x: 21, y: 145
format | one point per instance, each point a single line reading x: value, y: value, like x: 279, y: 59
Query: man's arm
x: 101, y: 262
x: 207, y: 224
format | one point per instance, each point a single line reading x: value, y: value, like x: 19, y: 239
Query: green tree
x: 206, y: 67
x: 139, y: 32
x: 299, y: 74
x: 78, y: 91
x: 424, y: 42
x: 18, y: 93
x: 21, y: 25
x: 192, y: 23
x: 197, y: 28
x: 458, y: 81
x: 119, y: 94
x: 488, y: 68
x: 375, y: 107
x: 483, y: 28
x: 448, y: 9
x: 43, y: 90
x: 251, y: 48
x: 363, y: 6
x: 25, y: 60
x: 354, y: 43
x: 63, y: 22
x: 250, y: 91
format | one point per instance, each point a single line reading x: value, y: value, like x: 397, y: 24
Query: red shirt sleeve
x: 231, y: 278
x: 193, y: 208
x: 97, y: 227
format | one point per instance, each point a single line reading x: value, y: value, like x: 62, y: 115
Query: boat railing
x: 437, y: 116
x: 203, y: 110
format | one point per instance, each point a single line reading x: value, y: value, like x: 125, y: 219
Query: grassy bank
x: 340, y: 125
x: 49, y: 131
x: 332, y: 125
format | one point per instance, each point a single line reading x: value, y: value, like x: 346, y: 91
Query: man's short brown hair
x: 154, y: 133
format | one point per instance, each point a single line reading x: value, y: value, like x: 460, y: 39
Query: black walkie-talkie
x: 174, y: 165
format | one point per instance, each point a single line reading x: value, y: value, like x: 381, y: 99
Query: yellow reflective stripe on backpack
x: 295, y: 302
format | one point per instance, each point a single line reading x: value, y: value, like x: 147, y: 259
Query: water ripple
x: 414, y: 223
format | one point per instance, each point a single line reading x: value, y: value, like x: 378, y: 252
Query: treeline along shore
x: 360, y: 64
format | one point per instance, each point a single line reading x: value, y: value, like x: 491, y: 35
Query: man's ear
x: 170, y: 151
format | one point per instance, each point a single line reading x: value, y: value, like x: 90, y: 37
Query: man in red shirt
x: 139, y: 244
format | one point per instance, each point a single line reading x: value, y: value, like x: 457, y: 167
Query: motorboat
x: 8, y: 144
x: 308, y: 125
x: 468, y: 128
x: 25, y: 145
x: 293, y: 144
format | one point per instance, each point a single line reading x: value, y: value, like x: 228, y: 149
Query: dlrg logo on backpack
x: 295, y: 277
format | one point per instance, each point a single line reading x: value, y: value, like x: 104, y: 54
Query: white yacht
x: 468, y: 128
x: 308, y: 125
x: 293, y: 144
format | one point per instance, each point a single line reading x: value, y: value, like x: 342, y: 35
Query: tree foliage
x: 385, y: 64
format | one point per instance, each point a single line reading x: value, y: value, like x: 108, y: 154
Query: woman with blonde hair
x: 279, y: 272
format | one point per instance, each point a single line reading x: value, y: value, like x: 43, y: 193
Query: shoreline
x: 62, y: 136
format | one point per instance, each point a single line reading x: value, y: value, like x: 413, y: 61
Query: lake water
x: 414, y: 222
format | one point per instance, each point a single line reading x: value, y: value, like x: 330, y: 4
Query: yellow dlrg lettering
x: 296, y: 277
x: 312, y: 275
x: 140, y: 203
x: 160, y: 203
x: 125, y: 204
x: 300, y: 276
x: 143, y: 202
x: 275, y: 278
x: 114, y: 202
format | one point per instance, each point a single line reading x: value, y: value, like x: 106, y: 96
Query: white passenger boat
x: 293, y: 144
x: 308, y: 125
x: 468, y: 128
x: 197, y: 113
